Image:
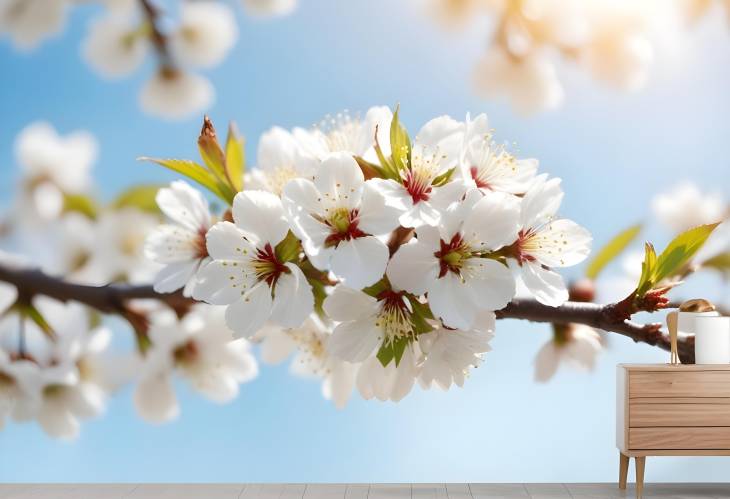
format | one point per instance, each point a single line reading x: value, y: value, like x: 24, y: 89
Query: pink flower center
x: 344, y: 226
x: 452, y: 254
x: 418, y: 186
x: 520, y: 248
x: 480, y: 182
x: 267, y: 265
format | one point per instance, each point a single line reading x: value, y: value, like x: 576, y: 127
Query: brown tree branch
x: 114, y: 298
x: 600, y: 317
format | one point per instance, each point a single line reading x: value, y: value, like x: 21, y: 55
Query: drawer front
x: 677, y: 438
x: 679, y: 384
x: 669, y: 414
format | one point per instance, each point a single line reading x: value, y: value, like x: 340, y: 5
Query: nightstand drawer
x: 676, y: 438
x: 673, y: 414
x: 679, y: 384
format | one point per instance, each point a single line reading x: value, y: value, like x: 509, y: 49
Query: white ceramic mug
x: 712, y: 339
x: 686, y: 320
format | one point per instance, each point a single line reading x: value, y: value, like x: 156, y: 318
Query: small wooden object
x: 670, y: 410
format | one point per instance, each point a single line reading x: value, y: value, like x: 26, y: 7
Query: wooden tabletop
x: 676, y: 367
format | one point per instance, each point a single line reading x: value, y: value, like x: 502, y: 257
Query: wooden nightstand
x: 670, y: 410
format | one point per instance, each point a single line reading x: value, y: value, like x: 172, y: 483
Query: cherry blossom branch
x: 159, y: 41
x: 605, y: 317
x: 114, y: 299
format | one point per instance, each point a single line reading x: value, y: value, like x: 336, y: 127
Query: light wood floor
x: 361, y: 491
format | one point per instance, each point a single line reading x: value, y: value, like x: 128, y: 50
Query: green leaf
x: 387, y: 166
x: 80, y: 203
x: 611, y: 250
x: 369, y: 170
x: 443, y: 178
x: 141, y: 197
x: 421, y: 312
x: 392, y: 351
x: 29, y: 311
x: 647, y: 270
x: 719, y: 262
x: 377, y: 288
x: 681, y: 250
x: 211, y: 152
x: 674, y: 257
x: 195, y: 172
x: 288, y: 249
x: 235, y: 157
x: 400, y: 143
x: 320, y: 294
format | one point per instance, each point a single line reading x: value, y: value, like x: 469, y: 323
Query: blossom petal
x: 215, y: 384
x: 175, y: 276
x: 339, y: 383
x: 356, y: 340
x: 376, y: 217
x: 225, y: 241
x: 547, y: 286
x: 444, y: 134
x: 260, y: 215
x: 546, y: 362
x: 301, y: 196
x: 171, y: 244
x: 420, y: 214
x: 541, y: 202
x: 346, y: 304
x: 246, y: 316
x: 492, y: 284
x: 413, y: 267
x: 493, y: 221
x: 562, y: 243
x: 340, y: 180
x: 394, y: 193
x: 451, y: 300
x: 155, y: 400
x: 360, y: 262
x: 293, y: 298
x: 185, y: 205
x: 277, y: 148
x: 221, y: 282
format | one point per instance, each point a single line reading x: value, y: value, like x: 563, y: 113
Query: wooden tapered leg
x: 640, y: 462
x: 623, y: 470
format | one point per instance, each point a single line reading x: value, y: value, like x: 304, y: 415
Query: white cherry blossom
x: 339, y: 216
x: 545, y: 242
x: 115, y: 46
x: 118, y: 249
x: 489, y: 166
x: 389, y: 382
x: 578, y: 347
x: 206, y: 32
x: 684, y: 206
x: 343, y: 133
x: 29, y: 22
x: 449, y: 354
x: 201, y: 350
x: 435, y: 151
x: 269, y: 8
x: 530, y: 83
x: 312, y: 358
x: 366, y: 323
x: 63, y: 161
x: 280, y: 159
x: 174, y: 94
x: 247, y: 274
x: 180, y: 245
x: 448, y: 262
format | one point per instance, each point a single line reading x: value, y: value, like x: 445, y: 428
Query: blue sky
x: 612, y: 150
